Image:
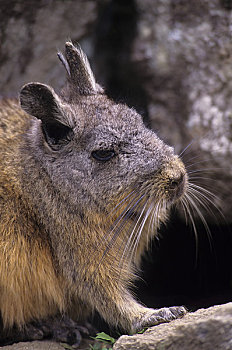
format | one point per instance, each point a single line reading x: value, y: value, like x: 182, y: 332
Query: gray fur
x: 70, y: 197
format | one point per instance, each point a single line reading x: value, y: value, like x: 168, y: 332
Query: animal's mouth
x: 152, y: 196
x: 165, y: 188
x: 161, y: 193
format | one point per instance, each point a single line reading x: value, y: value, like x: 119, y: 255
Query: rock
x: 183, y: 54
x: 35, y: 345
x: 31, y: 33
x: 48, y: 345
x: 205, y: 329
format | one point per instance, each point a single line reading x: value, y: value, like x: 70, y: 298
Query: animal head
x: 98, y: 153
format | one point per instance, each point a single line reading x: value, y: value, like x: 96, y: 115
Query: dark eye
x: 103, y: 155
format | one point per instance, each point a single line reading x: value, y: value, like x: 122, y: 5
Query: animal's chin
x: 174, y: 198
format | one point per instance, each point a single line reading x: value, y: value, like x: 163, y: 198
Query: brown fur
x: 28, y: 283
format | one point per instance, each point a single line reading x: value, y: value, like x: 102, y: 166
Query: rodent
x: 84, y: 186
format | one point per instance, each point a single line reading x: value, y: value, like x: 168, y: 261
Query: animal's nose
x: 176, y: 181
x: 177, y: 185
x: 175, y: 178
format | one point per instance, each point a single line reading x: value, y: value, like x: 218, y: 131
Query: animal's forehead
x: 100, y: 120
x: 104, y: 112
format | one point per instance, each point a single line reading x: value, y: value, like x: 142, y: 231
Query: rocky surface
x: 35, y: 345
x: 49, y: 345
x: 183, y: 51
x: 30, y: 35
x: 205, y: 329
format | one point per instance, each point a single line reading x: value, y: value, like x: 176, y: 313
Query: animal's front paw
x: 153, y: 317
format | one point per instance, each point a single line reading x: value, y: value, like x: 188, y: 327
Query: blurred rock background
x: 172, y: 61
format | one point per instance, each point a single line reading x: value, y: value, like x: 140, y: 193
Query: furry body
x: 68, y: 236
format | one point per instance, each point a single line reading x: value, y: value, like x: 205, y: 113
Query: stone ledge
x: 205, y: 329
x: 35, y: 345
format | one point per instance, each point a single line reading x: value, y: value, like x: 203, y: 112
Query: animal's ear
x: 78, y: 69
x: 42, y: 102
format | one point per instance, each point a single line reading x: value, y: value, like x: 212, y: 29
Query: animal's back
x: 13, y: 123
x: 27, y: 279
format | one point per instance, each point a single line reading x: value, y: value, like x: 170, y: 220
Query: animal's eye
x: 103, y: 155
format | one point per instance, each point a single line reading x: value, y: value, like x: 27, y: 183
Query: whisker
x: 186, y: 148
x: 152, y: 218
x: 205, y: 170
x: 155, y: 216
x: 188, y: 164
x: 201, y: 189
x: 202, y: 178
x: 184, y: 210
x: 128, y: 213
x: 128, y: 208
x: 208, y: 160
x: 113, y: 234
x: 131, y: 234
x: 207, y: 189
x: 206, y: 202
x: 118, y: 206
x: 139, y: 233
x: 193, y: 203
x: 203, y: 204
x: 185, y: 201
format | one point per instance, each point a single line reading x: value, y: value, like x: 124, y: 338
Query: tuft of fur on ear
x: 78, y: 69
x: 41, y: 101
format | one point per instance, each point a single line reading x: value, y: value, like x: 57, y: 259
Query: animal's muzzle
x: 177, y: 185
x: 175, y: 179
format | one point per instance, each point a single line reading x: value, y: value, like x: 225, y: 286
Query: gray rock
x: 35, y: 345
x: 205, y: 329
x: 31, y: 33
x: 183, y: 51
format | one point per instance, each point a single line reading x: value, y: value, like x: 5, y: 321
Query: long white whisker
x: 185, y: 149
x: 205, y: 170
x: 208, y: 196
x: 155, y: 220
x: 126, y: 248
x: 185, y: 211
x: 150, y: 227
x: 123, y: 218
x: 202, y: 178
x: 139, y: 232
x: 203, y: 200
x: 207, y: 191
x: 113, y: 234
x: 196, y: 163
x: 204, y: 205
x: 186, y: 201
x: 201, y: 217
x: 200, y: 161
x: 117, y: 207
